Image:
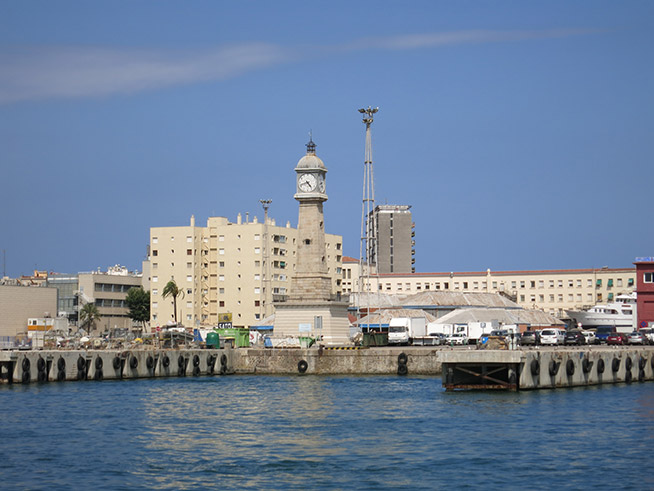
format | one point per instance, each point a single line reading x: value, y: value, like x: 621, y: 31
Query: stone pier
x: 547, y: 368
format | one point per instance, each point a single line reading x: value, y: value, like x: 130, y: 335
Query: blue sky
x: 519, y: 132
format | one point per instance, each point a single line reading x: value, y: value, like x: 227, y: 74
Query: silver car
x: 637, y: 338
x: 551, y: 336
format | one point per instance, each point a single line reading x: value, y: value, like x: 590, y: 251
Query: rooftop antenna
x: 265, y: 266
x: 368, y: 246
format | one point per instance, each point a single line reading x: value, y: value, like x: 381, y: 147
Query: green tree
x: 88, y: 316
x: 138, y: 303
x: 172, y: 290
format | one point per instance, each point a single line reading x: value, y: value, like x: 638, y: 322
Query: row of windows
x: 106, y: 302
x: 257, y: 290
x: 189, y: 252
x: 257, y: 250
x: 610, y: 282
x: 155, y: 240
x: 476, y: 285
x: 571, y: 298
x: 112, y: 287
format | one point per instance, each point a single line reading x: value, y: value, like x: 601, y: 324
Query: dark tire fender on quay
x: 600, y: 366
x: 615, y: 364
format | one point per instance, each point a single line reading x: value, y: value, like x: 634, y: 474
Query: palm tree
x: 88, y: 315
x: 172, y: 290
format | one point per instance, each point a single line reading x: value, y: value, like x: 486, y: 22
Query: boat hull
x: 622, y: 323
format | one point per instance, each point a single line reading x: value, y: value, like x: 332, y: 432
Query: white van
x: 552, y: 336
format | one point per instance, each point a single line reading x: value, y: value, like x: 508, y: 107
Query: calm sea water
x: 310, y: 432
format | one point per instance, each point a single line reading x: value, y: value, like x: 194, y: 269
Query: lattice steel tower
x: 368, y: 247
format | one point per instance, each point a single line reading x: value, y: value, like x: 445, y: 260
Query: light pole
x: 263, y: 307
x: 368, y: 246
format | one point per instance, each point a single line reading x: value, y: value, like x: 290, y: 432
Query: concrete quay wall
x: 333, y: 361
x: 547, y: 368
x: 580, y: 367
x: 63, y: 365
x: 539, y: 368
x: 66, y: 365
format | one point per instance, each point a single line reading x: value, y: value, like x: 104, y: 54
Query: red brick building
x: 645, y: 290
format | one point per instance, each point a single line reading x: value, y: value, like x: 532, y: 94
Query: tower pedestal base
x: 303, y: 318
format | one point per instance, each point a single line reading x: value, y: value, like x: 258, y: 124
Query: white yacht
x: 619, y: 314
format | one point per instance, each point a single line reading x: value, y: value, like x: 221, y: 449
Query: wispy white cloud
x: 29, y: 73
x: 440, y: 39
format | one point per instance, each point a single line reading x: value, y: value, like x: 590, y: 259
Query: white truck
x: 409, y: 330
x: 475, y: 330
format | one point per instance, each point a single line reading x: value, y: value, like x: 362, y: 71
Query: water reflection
x: 323, y: 433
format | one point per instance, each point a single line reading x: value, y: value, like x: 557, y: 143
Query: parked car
x: 590, y: 337
x: 530, y: 338
x: 637, y: 338
x: 574, y: 336
x: 440, y: 338
x: 457, y: 338
x: 602, y: 333
x: 649, y: 333
x: 617, y: 338
x: 552, y: 336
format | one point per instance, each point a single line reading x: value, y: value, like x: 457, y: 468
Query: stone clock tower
x: 311, y: 309
x: 311, y: 279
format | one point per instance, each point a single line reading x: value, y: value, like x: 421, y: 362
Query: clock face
x: 306, y: 182
x: 321, y: 183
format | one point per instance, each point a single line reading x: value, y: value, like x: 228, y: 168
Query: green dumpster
x: 375, y: 339
x: 213, y: 340
x: 239, y: 337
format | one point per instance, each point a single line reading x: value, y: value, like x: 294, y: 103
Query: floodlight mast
x: 368, y: 246
x: 265, y: 266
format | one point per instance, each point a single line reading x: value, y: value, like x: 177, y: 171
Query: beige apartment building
x: 108, y: 291
x: 227, y: 268
x: 552, y: 291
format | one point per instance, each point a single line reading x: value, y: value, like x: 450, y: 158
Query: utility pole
x: 368, y: 247
x: 265, y: 267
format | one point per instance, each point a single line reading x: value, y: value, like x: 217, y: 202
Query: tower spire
x: 311, y: 146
